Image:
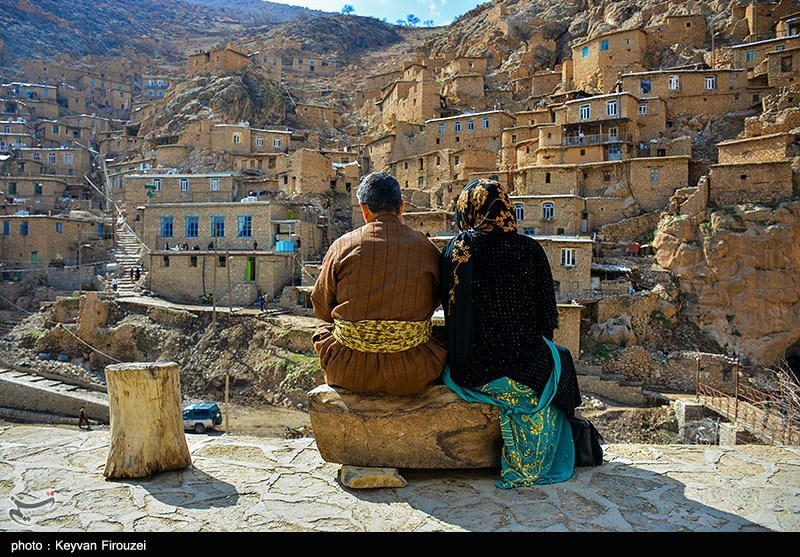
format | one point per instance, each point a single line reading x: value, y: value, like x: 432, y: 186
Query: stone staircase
x: 591, y: 379
x: 10, y: 321
x: 128, y: 254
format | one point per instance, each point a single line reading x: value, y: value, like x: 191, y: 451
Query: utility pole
x: 228, y: 259
x: 214, y: 287
x: 227, y: 391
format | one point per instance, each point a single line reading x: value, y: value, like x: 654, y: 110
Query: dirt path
x: 266, y: 421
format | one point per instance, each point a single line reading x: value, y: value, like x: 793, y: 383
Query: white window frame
x: 674, y: 82
x: 519, y: 211
x: 470, y: 125
x: 68, y: 159
x: 612, y: 107
x: 569, y: 257
x: 276, y: 142
x: 157, y: 184
x: 441, y: 128
x: 585, y: 111
x: 259, y: 141
x: 711, y: 82
x: 642, y: 109
x: 655, y: 174
x: 458, y: 126
x: 183, y: 184
x: 237, y: 138
x: 548, y: 210
x: 214, y: 184
x: 485, y: 123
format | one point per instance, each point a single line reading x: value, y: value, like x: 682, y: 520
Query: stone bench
x: 435, y: 429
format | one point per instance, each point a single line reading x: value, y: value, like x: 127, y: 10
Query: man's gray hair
x: 380, y: 192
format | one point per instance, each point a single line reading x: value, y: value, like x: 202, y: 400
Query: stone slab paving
x: 239, y: 483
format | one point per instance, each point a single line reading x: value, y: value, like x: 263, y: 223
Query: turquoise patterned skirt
x: 537, y: 438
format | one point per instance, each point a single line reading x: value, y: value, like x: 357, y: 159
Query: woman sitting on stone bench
x: 500, y: 313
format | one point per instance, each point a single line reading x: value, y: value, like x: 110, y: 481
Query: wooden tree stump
x: 144, y: 400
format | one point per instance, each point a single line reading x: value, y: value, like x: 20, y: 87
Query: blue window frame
x: 23, y: 228
x: 604, y: 45
x: 192, y: 226
x: 6, y: 228
x: 245, y: 229
x: 585, y: 52
x: 218, y: 226
x: 166, y: 227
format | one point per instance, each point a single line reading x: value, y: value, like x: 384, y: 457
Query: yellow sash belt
x: 382, y: 336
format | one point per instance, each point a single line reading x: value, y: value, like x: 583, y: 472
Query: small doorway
x: 251, y: 269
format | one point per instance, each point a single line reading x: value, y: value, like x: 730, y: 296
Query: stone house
x: 60, y: 133
x: 153, y: 87
x: 317, y: 116
x: 465, y: 64
x: 742, y: 182
x: 783, y: 67
x: 763, y: 17
x: 544, y: 82
x: 105, y: 91
x: 317, y: 172
x: 190, y: 276
x: 238, y: 138
x: 311, y: 64
x: 441, y: 167
x: 550, y: 215
x: 71, y: 98
x: 431, y: 223
x: 15, y: 133
x: 231, y: 226
x: 752, y: 56
x: 135, y: 189
x: 683, y: 29
x: 415, y: 98
x: 692, y: 92
x: 59, y: 161
x: 593, y: 129
x: 596, y: 62
x: 516, y: 144
x: 479, y: 130
x: 223, y: 60
x: 777, y: 146
x: 788, y: 26
x: 29, y: 100
x: 37, y: 195
x: 35, y: 241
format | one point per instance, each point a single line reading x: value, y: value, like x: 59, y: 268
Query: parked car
x: 201, y: 416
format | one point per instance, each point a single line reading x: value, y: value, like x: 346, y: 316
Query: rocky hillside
x: 248, y: 95
x: 44, y: 28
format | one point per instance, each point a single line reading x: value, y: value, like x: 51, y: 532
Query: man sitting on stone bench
x: 376, y: 293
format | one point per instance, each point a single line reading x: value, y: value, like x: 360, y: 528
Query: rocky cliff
x: 737, y: 267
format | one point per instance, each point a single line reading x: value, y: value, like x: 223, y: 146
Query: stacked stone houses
x: 604, y: 142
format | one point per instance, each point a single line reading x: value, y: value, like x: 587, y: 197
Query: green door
x: 251, y: 269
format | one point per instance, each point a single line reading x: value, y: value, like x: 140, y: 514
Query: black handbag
x: 588, y: 451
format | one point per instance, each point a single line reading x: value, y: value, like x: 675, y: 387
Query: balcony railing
x: 595, y: 139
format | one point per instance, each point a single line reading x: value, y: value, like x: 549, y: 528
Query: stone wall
x: 564, y: 217
x: 763, y: 148
x: 569, y: 328
x: 630, y: 229
x: 620, y: 48
x: 767, y: 181
x: 639, y: 307
x: 677, y: 371
x: 654, y: 180
x: 50, y: 397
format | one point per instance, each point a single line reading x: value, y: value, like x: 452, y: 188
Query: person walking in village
x: 114, y: 284
x: 82, y: 419
x: 137, y: 274
x: 376, y: 293
x: 500, y: 313
x: 261, y: 302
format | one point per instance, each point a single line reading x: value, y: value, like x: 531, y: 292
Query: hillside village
x: 656, y: 163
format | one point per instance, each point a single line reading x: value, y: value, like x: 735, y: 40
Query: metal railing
x: 772, y: 415
x: 595, y: 139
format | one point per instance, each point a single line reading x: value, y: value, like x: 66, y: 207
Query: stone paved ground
x: 239, y: 483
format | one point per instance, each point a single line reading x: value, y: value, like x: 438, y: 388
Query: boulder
x: 435, y: 429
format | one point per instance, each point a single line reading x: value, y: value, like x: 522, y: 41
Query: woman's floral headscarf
x: 483, y: 207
